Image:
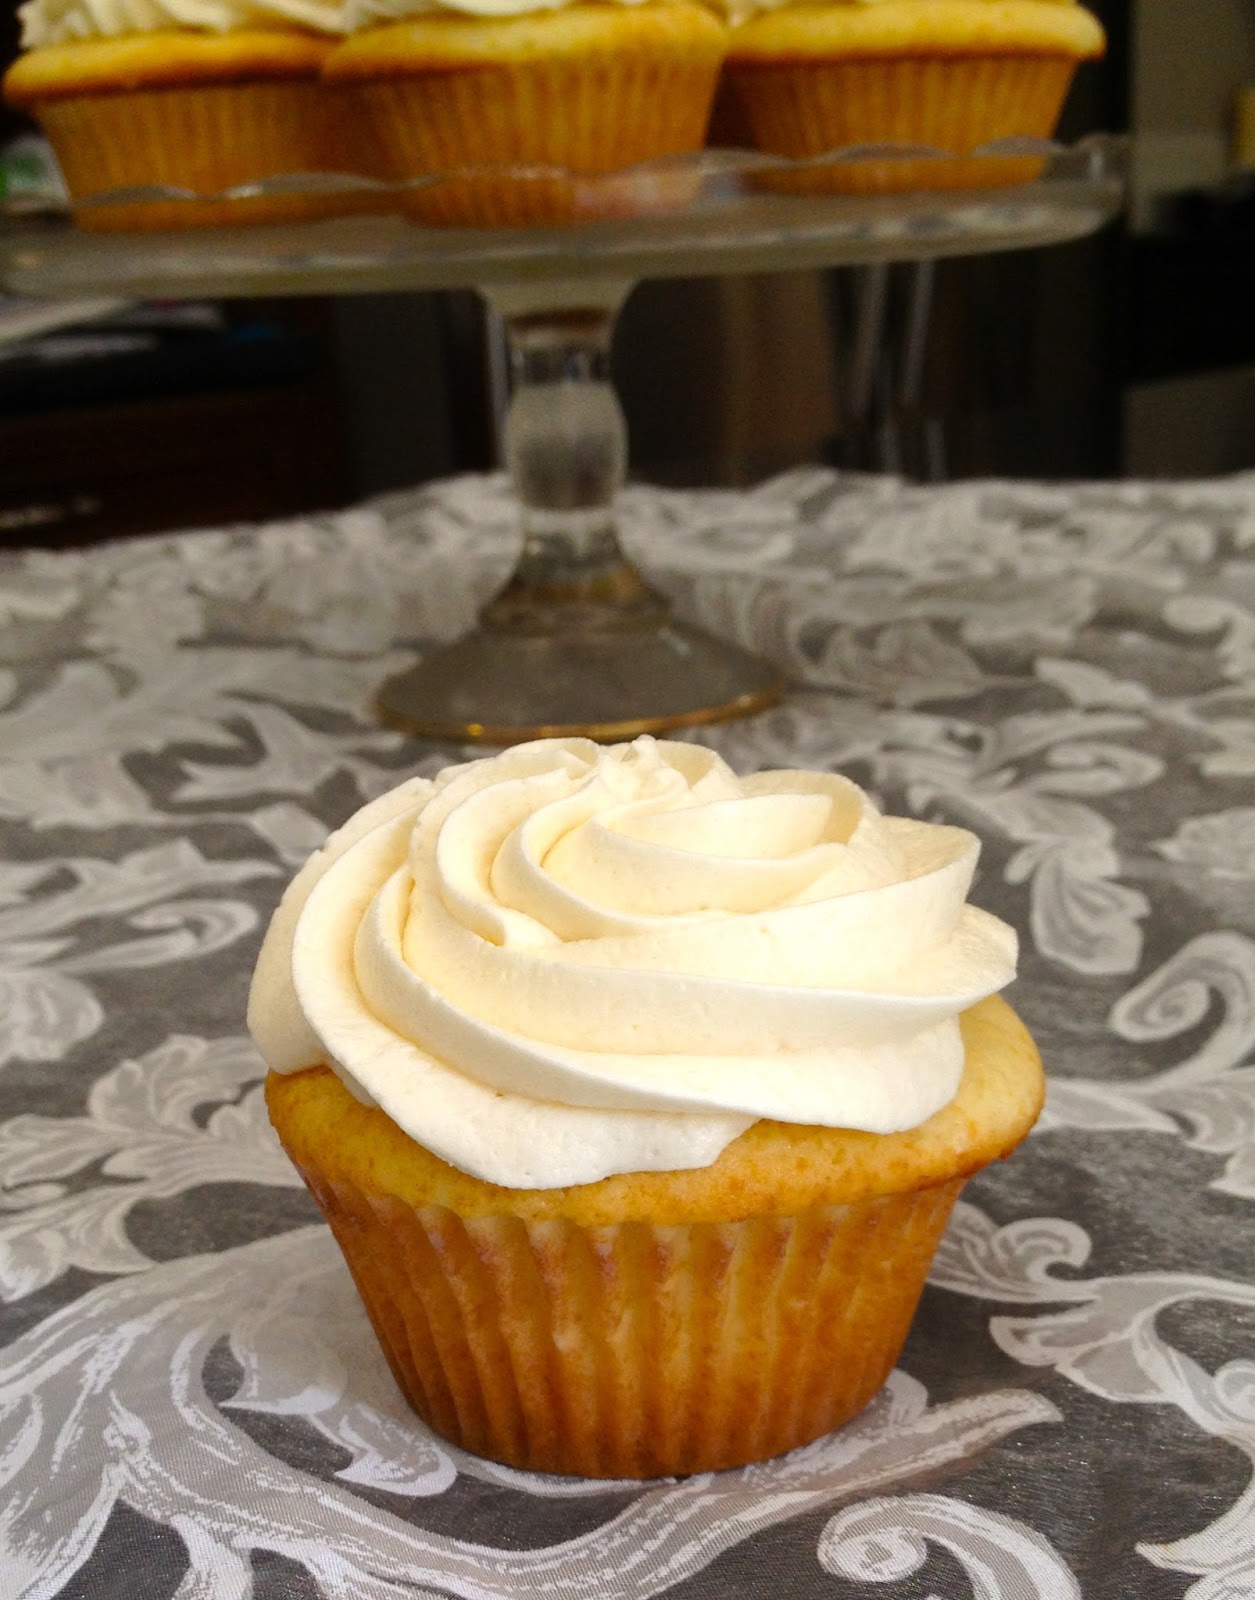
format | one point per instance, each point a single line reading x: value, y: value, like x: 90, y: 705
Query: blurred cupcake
x: 638, y: 1095
x: 585, y: 87
x: 203, y: 95
x: 809, y: 79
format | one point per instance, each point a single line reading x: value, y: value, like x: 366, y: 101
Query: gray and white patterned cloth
x: 191, y: 1401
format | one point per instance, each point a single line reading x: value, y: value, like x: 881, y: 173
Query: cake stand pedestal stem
x: 576, y: 642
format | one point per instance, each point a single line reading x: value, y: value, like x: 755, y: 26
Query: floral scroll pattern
x: 1070, y: 672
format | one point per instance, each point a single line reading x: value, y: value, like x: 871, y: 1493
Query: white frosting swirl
x: 64, y: 21
x: 566, y: 960
x: 370, y: 13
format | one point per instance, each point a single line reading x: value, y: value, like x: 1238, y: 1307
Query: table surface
x: 191, y: 1401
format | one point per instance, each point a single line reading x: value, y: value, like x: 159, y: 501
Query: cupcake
x: 201, y: 95
x: 638, y: 1095
x: 809, y: 79
x: 504, y: 93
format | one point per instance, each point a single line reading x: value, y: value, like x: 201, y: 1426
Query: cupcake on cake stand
x: 578, y: 642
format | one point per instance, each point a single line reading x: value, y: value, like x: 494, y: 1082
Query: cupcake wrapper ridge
x: 581, y: 116
x: 635, y: 1349
x: 203, y: 139
x: 812, y: 108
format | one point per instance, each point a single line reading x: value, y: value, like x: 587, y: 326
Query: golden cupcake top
x: 891, y: 27
x: 163, y: 60
x: 773, y: 1168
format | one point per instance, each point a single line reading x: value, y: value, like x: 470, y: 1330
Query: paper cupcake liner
x: 809, y: 108
x: 637, y: 1350
x: 584, y: 115
x: 204, y: 139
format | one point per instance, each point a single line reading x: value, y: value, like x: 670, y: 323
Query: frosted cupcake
x: 590, y: 87
x: 203, y: 95
x: 638, y: 1095
x: 808, y: 79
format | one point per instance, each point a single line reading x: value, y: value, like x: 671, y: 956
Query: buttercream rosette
x: 568, y: 960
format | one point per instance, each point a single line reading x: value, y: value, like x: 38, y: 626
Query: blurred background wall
x: 1129, y: 353
x: 1189, y: 377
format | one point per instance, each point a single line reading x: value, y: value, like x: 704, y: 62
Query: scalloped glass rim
x: 655, y: 226
x: 719, y: 175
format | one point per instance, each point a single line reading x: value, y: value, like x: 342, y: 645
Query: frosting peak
x: 567, y: 960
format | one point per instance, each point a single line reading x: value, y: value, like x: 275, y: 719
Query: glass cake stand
x: 577, y: 642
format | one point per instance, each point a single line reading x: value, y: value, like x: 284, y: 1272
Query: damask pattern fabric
x: 191, y: 1401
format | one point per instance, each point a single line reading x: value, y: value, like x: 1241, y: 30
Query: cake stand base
x: 501, y: 688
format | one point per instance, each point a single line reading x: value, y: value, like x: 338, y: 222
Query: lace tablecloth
x: 191, y: 1401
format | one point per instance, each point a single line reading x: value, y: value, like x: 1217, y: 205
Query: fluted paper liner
x: 204, y: 139
x: 654, y: 1322
x: 806, y: 108
x: 636, y: 1350
x: 581, y: 115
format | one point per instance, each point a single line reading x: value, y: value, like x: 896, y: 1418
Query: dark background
x: 1132, y: 352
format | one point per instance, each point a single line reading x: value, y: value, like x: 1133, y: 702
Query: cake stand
x: 577, y: 642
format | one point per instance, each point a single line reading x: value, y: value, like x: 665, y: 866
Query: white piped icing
x: 569, y: 960
x: 371, y: 13
x: 65, y: 21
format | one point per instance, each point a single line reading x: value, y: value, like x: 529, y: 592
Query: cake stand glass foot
x: 577, y: 642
